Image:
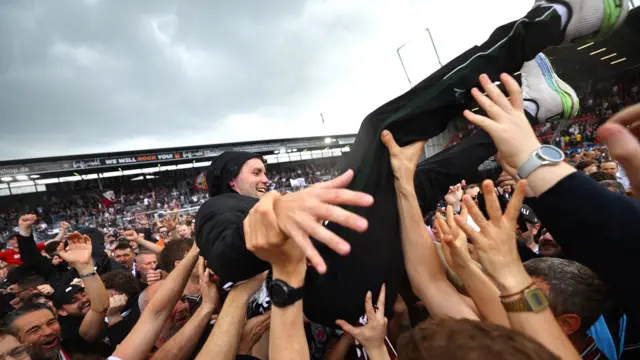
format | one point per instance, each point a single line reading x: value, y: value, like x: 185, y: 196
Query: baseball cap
x: 64, y: 295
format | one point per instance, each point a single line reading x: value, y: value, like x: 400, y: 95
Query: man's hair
x: 453, y: 339
x: 584, y: 164
x: 4, y: 332
x: 601, y: 176
x: 609, y: 161
x: 30, y: 281
x: 145, y: 251
x: 614, y: 184
x: 52, y: 247
x: 25, y: 309
x: 123, y: 246
x: 174, y: 251
x: 573, y: 289
x: 121, y: 281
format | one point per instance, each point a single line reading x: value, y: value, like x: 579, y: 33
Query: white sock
x: 561, y: 9
x: 531, y: 107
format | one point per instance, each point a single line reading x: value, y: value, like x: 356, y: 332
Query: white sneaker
x: 554, y: 99
x: 588, y: 18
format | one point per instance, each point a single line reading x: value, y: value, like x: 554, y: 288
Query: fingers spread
x: 340, y: 216
x: 514, y: 91
x: 345, y: 197
x: 382, y: 298
x: 494, y: 93
x: 491, y: 200
x: 513, y: 209
x: 339, y: 182
x: 327, y: 237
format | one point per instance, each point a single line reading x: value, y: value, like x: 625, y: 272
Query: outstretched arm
x: 140, y: 341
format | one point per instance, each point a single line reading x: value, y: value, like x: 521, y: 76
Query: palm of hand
x: 77, y: 254
x: 500, y: 247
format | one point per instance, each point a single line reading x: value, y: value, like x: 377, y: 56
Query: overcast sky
x: 82, y: 76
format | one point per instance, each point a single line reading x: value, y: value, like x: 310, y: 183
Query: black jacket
x: 220, y: 237
x: 597, y: 228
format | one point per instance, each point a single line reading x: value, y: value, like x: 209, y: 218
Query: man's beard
x: 41, y: 354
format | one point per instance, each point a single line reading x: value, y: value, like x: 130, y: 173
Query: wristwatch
x: 543, y: 156
x: 531, y: 300
x: 283, y: 294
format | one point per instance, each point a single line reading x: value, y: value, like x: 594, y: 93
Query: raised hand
x: 116, y: 304
x: 142, y: 220
x: 251, y: 286
x: 45, y: 289
x: 621, y: 134
x: 209, y: 290
x: 496, y: 242
x: 403, y: 159
x: 454, y: 196
x: 153, y: 276
x: 64, y: 226
x: 130, y: 235
x: 253, y: 330
x: 506, y: 122
x: 371, y: 335
x: 25, y: 223
x: 78, y: 253
x: 299, y: 215
x: 453, y: 240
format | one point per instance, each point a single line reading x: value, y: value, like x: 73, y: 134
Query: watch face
x: 536, y: 299
x: 279, y: 293
x: 551, y: 153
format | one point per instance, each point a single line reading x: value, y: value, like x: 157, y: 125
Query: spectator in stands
x: 587, y: 166
x: 146, y: 263
x: 610, y: 167
x: 11, y: 256
x: 11, y: 348
x: 614, y: 186
x: 576, y: 297
x: 123, y: 254
x: 36, y: 326
x: 602, y: 176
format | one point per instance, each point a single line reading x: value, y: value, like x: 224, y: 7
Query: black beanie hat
x: 224, y: 168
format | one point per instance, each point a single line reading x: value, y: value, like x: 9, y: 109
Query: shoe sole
x: 570, y: 102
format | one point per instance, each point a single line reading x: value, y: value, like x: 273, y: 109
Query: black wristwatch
x: 283, y: 294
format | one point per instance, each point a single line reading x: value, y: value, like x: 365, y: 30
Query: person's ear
x: 62, y: 312
x: 569, y: 323
x: 176, y: 263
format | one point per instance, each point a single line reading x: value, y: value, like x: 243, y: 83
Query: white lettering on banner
x: 165, y: 156
x: 127, y: 160
x: 13, y: 171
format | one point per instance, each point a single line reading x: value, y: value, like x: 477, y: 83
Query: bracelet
x: 93, y: 273
x: 519, y: 292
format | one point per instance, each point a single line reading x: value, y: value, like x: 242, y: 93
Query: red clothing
x: 12, y: 256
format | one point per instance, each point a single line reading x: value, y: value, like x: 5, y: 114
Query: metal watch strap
x: 93, y: 273
x: 531, y: 300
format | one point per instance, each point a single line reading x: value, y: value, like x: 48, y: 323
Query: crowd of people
x: 408, y: 260
x: 84, y: 206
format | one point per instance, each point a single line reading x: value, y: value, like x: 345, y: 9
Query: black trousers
x: 421, y: 113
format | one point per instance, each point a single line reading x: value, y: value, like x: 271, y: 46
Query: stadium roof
x: 600, y: 59
x: 274, y: 151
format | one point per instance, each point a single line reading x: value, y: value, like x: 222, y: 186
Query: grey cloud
x: 77, y: 77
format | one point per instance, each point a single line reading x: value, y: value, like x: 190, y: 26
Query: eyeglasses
x: 19, y: 352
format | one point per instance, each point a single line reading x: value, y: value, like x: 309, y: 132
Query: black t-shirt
x: 73, y: 343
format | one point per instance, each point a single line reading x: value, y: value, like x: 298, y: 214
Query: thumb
x: 506, y: 167
x: 388, y: 140
x: 347, y: 327
x: 624, y: 147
